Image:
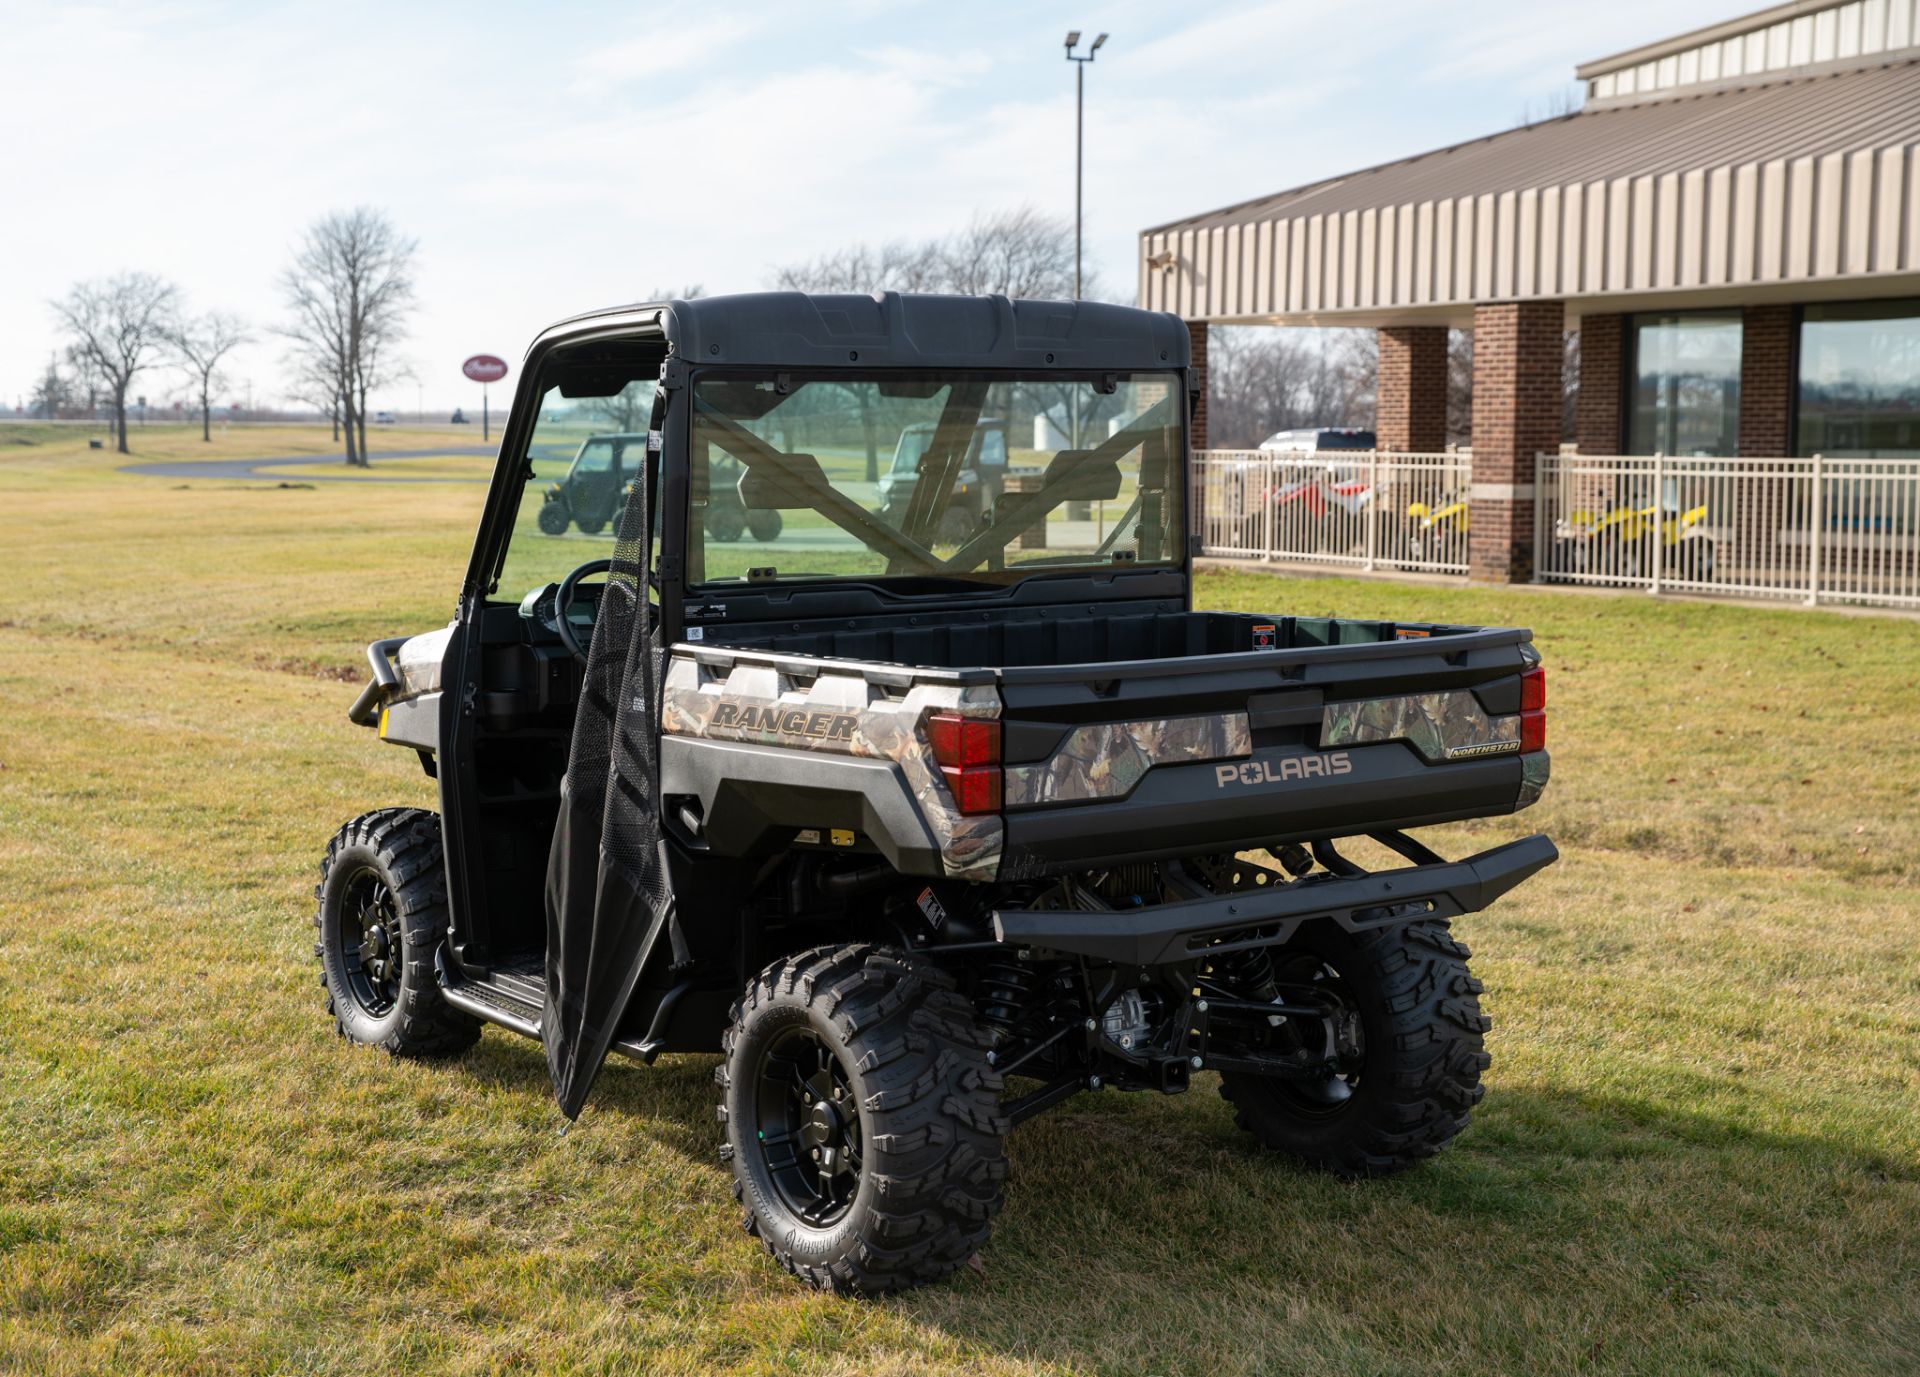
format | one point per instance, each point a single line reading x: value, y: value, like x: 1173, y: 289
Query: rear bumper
x: 1219, y: 924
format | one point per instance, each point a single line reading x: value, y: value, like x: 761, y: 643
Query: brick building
x: 1731, y: 222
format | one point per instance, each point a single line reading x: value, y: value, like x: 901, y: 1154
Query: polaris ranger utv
x: 923, y: 830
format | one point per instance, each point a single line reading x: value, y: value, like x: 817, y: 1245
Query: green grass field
x: 1699, y: 1152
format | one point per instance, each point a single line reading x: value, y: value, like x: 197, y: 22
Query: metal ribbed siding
x: 1792, y: 35
x: 1823, y: 182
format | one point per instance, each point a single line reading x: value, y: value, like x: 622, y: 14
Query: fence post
x: 1657, y: 558
x: 1539, y: 511
x: 1813, y: 536
x: 1267, y: 534
x: 1373, y: 507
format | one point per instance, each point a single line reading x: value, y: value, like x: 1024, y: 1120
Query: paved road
x: 249, y: 468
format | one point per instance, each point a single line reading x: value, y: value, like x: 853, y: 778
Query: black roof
x: 892, y: 330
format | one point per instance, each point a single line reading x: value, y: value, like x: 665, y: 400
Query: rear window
x: 1068, y: 472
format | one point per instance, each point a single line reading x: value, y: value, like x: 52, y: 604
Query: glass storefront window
x: 1860, y: 379
x: 1686, y: 384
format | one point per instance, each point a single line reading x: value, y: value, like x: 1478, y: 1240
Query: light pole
x: 1079, y: 140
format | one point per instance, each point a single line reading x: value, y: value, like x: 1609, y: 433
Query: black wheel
x: 381, y: 918
x: 862, y: 1119
x: 1415, y: 1074
x: 726, y: 523
x: 956, y: 526
x: 1696, y: 560
x: 590, y: 526
x: 553, y: 518
x: 766, y: 524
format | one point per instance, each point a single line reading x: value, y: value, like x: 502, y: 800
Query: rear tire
x: 863, y: 1121
x: 590, y: 527
x: 766, y: 524
x: 1422, y: 1039
x: 382, y: 916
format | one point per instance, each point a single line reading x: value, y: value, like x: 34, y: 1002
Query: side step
x: 514, y: 997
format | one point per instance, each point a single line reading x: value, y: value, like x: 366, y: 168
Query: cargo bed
x: 1127, y: 733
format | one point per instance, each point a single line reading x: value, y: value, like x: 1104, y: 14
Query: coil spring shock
x: 1246, y: 972
x: 1005, y: 996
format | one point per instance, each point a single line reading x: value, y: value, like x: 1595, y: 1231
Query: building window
x: 1860, y: 379
x: 1686, y: 384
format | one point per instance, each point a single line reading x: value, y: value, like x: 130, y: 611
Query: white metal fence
x: 1366, y: 508
x: 1817, y: 530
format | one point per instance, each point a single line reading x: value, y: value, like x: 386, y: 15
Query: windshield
x: 596, y: 456
x: 913, y: 444
x: 863, y: 476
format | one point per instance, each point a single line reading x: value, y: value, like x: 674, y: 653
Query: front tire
x: 862, y: 1119
x: 956, y: 525
x: 553, y: 518
x: 726, y: 523
x: 1422, y: 1041
x: 382, y: 915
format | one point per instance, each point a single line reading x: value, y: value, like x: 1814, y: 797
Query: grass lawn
x: 1699, y: 1151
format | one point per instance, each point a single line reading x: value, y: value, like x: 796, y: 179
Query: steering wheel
x: 563, y: 599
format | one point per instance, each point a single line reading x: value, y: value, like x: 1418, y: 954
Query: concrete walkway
x: 229, y: 469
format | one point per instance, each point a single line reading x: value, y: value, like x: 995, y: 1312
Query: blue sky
x: 556, y: 157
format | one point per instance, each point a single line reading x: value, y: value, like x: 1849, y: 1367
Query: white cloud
x: 551, y: 160
x: 668, y: 44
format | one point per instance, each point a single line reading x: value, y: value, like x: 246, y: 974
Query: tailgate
x: 1116, y: 762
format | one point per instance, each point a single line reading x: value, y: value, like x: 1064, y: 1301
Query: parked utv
x: 923, y: 843
x: 976, y: 487
x: 594, y: 492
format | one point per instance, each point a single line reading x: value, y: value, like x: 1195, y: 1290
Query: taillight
x: 968, y: 750
x: 1533, y: 710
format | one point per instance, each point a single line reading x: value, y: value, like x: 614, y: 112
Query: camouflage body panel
x: 841, y: 714
x: 1106, y: 760
x: 1440, y: 726
x: 1534, y: 770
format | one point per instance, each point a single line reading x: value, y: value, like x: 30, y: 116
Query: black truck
x: 923, y: 831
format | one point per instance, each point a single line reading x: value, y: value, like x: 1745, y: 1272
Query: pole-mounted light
x: 1079, y: 136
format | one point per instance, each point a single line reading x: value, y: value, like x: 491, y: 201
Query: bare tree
x: 317, y: 387
x: 1460, y: 387
x: 376, y: 368
x: 1263, y: 380
x: 899, y: 266
x: 350, y: 288
x: 1570, y: 385
x: 1558, y: 103
x: 1018, y: 253
x: 199, y: 345
x: 116, y: 326
x: 53, y: 392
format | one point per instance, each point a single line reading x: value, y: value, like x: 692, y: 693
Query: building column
x: 1410, y: 413
x: 1197, y: 335
x: 1517, y: 362
x: 1766, y: 382
x: 1603, y: 358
